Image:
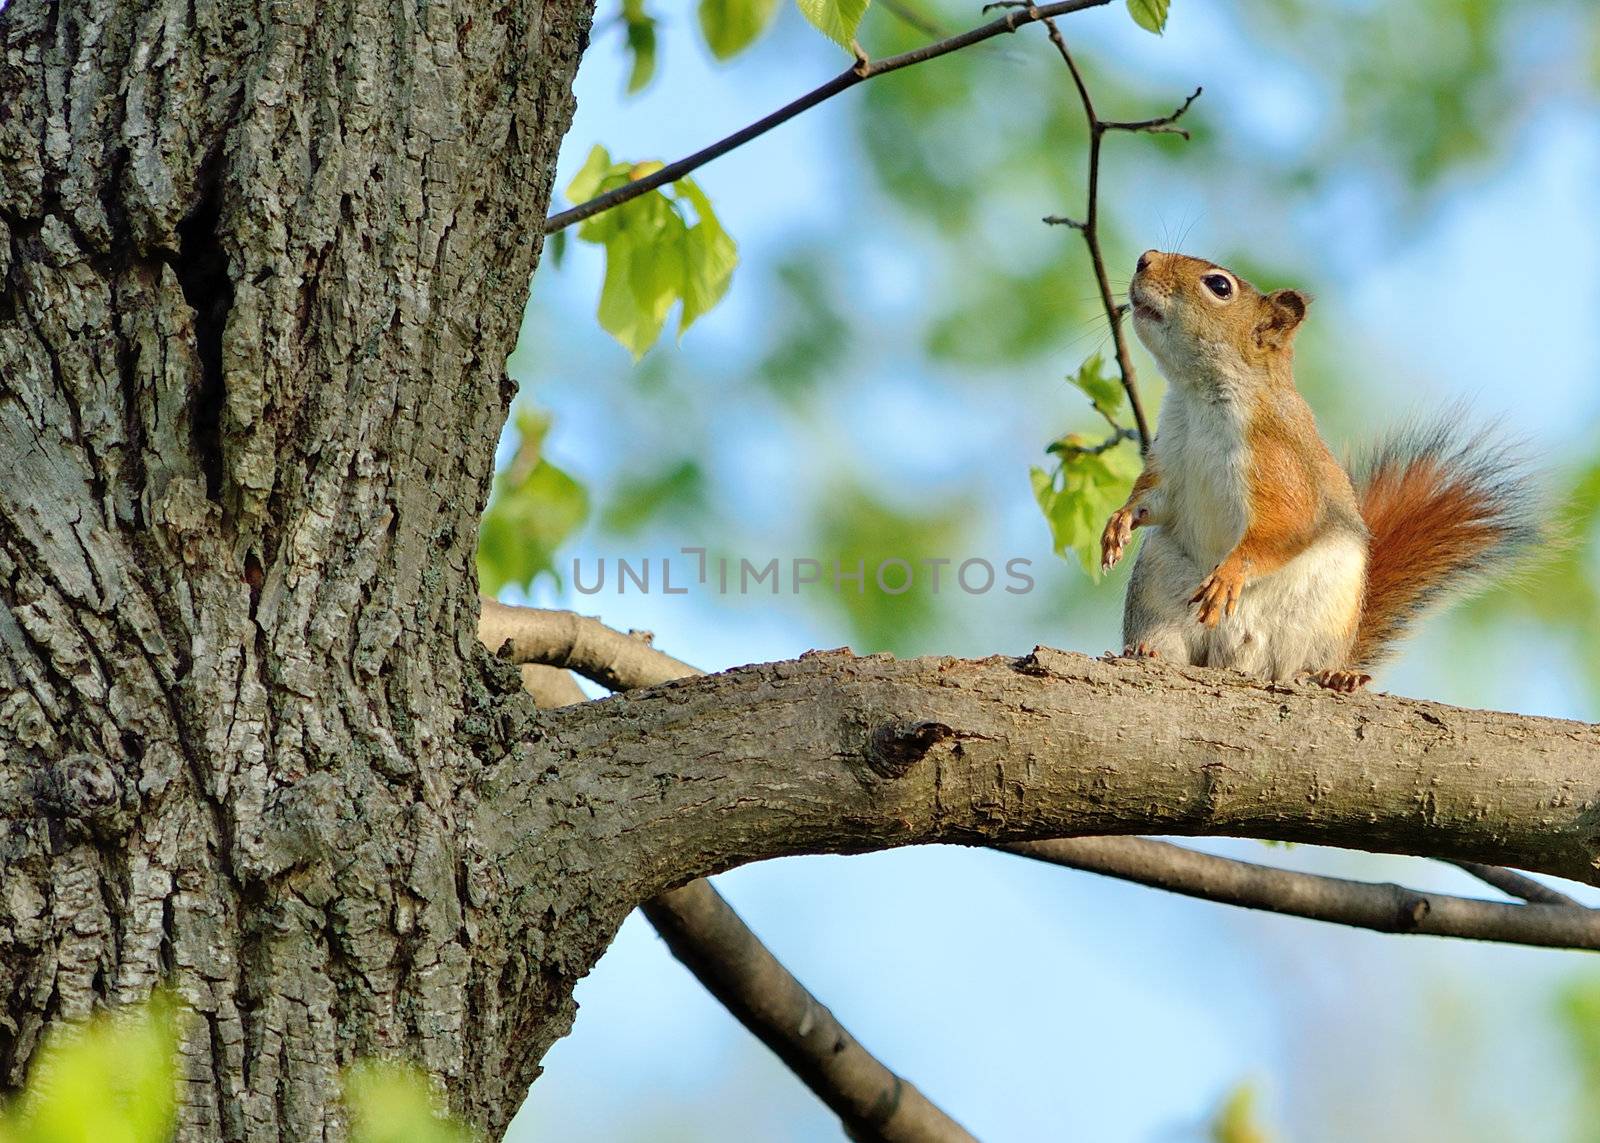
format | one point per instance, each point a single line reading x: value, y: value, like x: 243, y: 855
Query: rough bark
x: 833, y: 753
x: 261, y: 264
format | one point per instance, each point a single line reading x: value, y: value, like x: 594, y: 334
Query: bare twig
x: 1089, y: 225
x: 1121, y: 434
x: 1359, y: 904
x: 704, y: 932
x: 859, y: 72
x: 1551, y: 919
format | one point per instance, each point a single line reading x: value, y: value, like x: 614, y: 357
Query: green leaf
x: 586, y: 183
x: 112, y: 1080
x: 709, y: 258
x: 535, y: 508
x: 836, y: 19
x: 1151, y: 15
x: 390, y: 1103
x: 1082, y: 494
x: 1104, y: 391
x: 654, y: 259
x: 730, y: 26
x: 641, y: 41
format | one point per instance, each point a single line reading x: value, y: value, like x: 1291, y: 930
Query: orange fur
x: 1431, y: 519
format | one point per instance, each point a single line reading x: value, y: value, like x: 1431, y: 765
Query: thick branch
x: 834, y: 753
x: 598, y: 652
x: 701, y: 928
x: 1383, y: 908
x: 704, y: 932
x: 858, y: 73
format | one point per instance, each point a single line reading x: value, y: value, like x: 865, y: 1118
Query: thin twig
x: 1089, y: 225
x: 1121, y: 434
x: 1552, y: 919
x: 1359, y: 904
x: 857, y: 73
x: 704, y: 932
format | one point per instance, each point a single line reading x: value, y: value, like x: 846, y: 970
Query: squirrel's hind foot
x: 1345, y: 682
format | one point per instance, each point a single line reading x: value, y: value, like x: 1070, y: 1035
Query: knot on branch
x: 895, y: 747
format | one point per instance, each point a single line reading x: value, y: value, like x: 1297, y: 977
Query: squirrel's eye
x: 1218, y: 284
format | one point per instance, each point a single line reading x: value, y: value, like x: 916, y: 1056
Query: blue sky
x: 1067, y: 1006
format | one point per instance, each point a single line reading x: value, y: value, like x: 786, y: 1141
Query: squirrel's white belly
x: 1298, y: 618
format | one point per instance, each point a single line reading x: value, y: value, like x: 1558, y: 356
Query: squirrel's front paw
x: 1219, y: 594
x: 1114, y: 540
x: 1119, y: 531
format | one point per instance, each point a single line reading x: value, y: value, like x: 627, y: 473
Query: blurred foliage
x: 534, y: 509
x: 114, y: 1080
x: 641, y: 39
x: 1578, y: 1014
x: 1238, y: 1118
x: 731, y: 26
x: 858, y: 530
x: 392, y: 1103
x: 677, y: 491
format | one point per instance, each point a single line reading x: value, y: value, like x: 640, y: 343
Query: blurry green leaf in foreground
x: 112, y: 1080
x: 730, y: 26
x: 655, y: 258
x: 535, y: 507
x: 836, y: 19
x: 1151, y: 15
x: 641, y: 32
x: 390, y: 1103
x: 1578, y: 1009
x: 1238, y: 1120
x: 1078, y: 497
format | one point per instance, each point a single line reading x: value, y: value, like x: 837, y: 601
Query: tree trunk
x: 262, y: 266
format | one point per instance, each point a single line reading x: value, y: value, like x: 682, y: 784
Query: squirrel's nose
x: 1144, y: 262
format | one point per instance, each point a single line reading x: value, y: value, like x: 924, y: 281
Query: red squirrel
x: 1263, y: 554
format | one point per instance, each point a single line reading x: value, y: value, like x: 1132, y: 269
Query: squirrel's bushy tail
x: 1446, y: 511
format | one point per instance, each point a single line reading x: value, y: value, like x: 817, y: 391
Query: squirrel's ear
x: 1284, y: 311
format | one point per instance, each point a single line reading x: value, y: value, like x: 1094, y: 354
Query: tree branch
x: 704, y: 932
x: 1516, y: 885
x: 701, y: 928
x: 592, y: 649
x: 857, y: 73
x: 1383, y: 908
x: 832, y: 753
x: 562, y: 639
